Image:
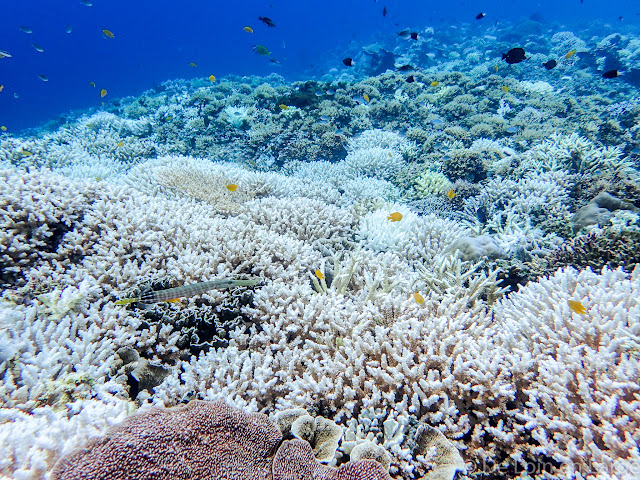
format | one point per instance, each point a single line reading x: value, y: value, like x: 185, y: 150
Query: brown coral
x: 203, y: 440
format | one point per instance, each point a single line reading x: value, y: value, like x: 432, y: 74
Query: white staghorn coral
x: 360, y: 347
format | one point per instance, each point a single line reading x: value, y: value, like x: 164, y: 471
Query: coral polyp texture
x: 203, y: 440
x: 429, y: 270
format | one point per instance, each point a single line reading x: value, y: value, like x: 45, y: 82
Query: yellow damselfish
x: 577, y: 307
x: 418, y: 298
x: 395, y: 217
x: 232, y: 187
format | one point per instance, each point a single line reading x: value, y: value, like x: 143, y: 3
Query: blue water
x: 156, y: 40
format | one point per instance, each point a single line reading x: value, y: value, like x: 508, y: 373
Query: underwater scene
x: 279, y: 240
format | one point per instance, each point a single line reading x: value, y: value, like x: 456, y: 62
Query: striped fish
x: 171, y: 294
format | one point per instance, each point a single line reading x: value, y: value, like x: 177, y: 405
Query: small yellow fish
x: 232, y: 187
x: 451, y: 194
x: 25, y: 153
x: 103, y: 92
x: 93, y: 84
x: 212, y: 78
x: 108, y: 33
x: 577, y: 307
x: 395, y: 217
x: 366, y: 97
x: 496, y: 68
x: 192, y: 64
x: 319, y: 274
x: 120, y: 143
x: 505, y: 89
x: 3, y: 128
x: 248, y: 29
x: 419, y: 298
x: 570, y: 54
x: 284, y: 107
x: 435, y: 83
x: 1, y: 87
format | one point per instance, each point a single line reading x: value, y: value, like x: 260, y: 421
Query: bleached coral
x: 377, y: 162
x: 572, y: 153
x: 382, y: 139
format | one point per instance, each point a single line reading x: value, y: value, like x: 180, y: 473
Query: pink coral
x: 203, y: 440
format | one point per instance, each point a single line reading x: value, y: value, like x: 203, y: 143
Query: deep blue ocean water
x: 156, y: 40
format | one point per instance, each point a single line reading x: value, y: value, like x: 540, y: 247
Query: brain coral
x: 202, y: 440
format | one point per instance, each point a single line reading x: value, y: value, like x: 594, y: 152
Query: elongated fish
x: 186, y: 291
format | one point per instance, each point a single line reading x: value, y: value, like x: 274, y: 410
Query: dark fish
x: 403, y: 33
x: 611, y: 74
x: 515, y: 55
x: 550, y: 64
x: 273, y: 60
x: 384, y: 11
x: 405, y: 68
x: 414, y: 35
x: 410, y: 79
x: 348, y: 62
x: 267, y: 21
x: 480, y: 15
x: 481, y: 213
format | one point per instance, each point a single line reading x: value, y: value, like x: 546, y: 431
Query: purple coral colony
x: 352, y: 242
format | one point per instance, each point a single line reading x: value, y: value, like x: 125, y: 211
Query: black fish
x: 267, y: 21
x: 515, y: 55
x: 410, y: 79
x: 480, y: 15
x: 348, y: 62
x: 403, y: 33
x: 414, y: 35
x: 611, y: 74
x: 550, y: 64
x: 405, y: 68
x: 384, y: 11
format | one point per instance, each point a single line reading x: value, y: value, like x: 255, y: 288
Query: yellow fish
x: 93, y: 84
x: 284, y: 107
x: 395, y: 217
x: 496, y: 68
x: 248, y: 29
x: 103, y: 92
x: 120, y: 143
x: 25, y: 153
x: 570, y: 54
x: 108, y: 33
x: 419, y: 298
x: 577, y: 307
x: 212, y: 78
x: 366, y: 97
x: 505, y: 89
x: 232, y: 187
x: 3, y: 128
x: 451, y: 194
x: 319, y: 274
x: 1, y: 87
x: 434, y: 83
x: 192, y: 64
